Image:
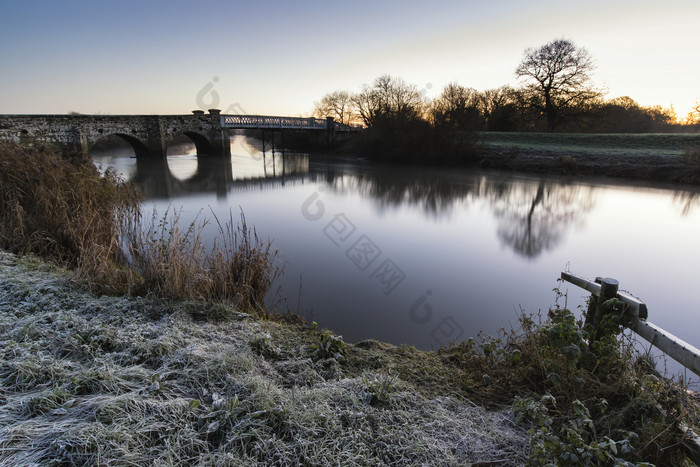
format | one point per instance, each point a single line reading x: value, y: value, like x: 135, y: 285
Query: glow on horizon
x: 278, y: 58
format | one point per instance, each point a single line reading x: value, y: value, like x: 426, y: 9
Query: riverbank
x: 142, y: 381
x: 650, y: 157
x: 117, y: 381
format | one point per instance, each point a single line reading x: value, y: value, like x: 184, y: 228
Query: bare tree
x: 558, y: 75
x: 693, y: 117
x: 456, y: 107
x: 499, y: 108
x: 389, y: 99
x: 339, y: 105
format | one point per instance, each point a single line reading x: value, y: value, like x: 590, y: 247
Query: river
x: 427, y: 256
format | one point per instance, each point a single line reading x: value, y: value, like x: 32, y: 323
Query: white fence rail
x: 681, y: 351
x: 263, y: 122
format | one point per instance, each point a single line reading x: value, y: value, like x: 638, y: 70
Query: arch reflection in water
x: 184, y: 173
x: 112, y: 151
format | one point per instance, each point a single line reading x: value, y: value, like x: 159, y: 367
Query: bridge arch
x: 201, y: 143
x: 139, y: 147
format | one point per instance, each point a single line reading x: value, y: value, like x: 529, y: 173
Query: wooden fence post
x: 594, y: 315
x: 608, y: 290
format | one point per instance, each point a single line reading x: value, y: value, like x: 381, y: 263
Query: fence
x: 636, y: 313
x: 603, y: 289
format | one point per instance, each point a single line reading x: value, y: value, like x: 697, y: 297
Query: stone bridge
x: 148, y: 135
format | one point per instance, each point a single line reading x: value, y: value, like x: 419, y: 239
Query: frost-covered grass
x: 611, y: 145
x: 133, y: 381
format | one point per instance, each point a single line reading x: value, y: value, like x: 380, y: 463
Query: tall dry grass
x: 63, y: 210
x: 238, y: 269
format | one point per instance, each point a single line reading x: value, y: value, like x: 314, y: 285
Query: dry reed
x: 239, y: 269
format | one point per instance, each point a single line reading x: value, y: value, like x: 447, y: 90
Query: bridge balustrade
x: 261, y: 122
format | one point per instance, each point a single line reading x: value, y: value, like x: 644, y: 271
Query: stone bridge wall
x: 148, y: 135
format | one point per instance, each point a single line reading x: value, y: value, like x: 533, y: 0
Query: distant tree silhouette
x: 500, y: 110
x: 558, y: 80
x: 456, y: 107
x: 693, y: 117
x: 337, y: 104
x: 389, y: 99
x: 624, y: 115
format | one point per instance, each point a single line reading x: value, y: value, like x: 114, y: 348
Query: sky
x: 278, y: 57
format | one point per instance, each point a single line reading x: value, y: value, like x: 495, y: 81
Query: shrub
x: 568, y: 164
x: 416, y: 141
x: 327, y: 345
x: 592, y: 394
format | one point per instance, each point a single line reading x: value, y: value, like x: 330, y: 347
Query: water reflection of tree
x: 533, y: 217
x: 687, y: 200
x: 435, y: 192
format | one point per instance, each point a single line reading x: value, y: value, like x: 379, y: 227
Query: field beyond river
x: 666, y: 157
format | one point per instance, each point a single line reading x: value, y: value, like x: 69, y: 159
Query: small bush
x: 416, y: 141
x: 592, y: 394
x: 568, y: 164
x: 327, y: 345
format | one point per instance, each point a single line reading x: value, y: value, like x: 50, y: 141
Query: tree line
x: 556, y: 94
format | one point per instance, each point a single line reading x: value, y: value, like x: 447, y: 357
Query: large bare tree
x: 558, y: 76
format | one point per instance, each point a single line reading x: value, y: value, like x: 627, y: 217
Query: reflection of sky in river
x: 465, y: 251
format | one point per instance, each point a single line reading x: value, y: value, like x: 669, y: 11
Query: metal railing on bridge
x: 263, y: 122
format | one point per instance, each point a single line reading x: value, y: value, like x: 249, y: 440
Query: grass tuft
x: 238, y: 270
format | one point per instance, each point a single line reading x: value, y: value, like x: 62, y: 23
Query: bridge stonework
x: 148, y: 135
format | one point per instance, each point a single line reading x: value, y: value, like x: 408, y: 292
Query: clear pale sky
x: 278, y: 57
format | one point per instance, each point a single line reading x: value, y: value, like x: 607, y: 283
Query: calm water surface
x: 428, y: 256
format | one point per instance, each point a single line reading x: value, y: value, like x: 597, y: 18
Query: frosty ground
x: 141, y: 381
